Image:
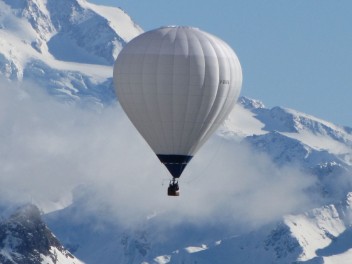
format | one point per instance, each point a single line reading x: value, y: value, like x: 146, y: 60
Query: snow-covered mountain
x: 25, y: 239
x: 68, y: 47
x: 318, y: 235
x: 292, y: 137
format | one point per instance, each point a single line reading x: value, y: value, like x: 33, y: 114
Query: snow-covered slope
x: 318, y: 235
x: 25, y: 239
x: 321, y: 235
x: 252, y: 120
x: 66, y: 46
x: 292, y: 137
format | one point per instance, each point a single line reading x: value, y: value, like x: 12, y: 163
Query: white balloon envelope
x: 177, y: 85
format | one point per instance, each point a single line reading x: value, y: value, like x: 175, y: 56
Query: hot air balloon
x: 177, y: 84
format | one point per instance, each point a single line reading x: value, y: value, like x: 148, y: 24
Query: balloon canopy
x: 177, y: 85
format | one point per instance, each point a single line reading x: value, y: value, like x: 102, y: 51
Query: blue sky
x: 294, y: 53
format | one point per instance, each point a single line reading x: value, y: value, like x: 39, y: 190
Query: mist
x: 52, y: 149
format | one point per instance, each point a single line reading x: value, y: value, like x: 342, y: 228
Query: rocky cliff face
x: 26, y: 239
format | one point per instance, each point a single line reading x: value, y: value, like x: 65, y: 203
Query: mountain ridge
x: 301, y: 164
x: 25, y: 239
x: 68, y: 53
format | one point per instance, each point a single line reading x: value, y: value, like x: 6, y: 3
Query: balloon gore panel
x: 177, y: 85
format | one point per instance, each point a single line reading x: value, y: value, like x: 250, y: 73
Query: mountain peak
x: 25, y: 239
x: 66, y: 46
x: 26, y: 214
x: 249, y: 103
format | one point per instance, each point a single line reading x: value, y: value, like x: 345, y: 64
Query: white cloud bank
x: 48, y: 148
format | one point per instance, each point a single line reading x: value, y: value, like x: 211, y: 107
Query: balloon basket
x: 173, y: 189
x: 171, y: 192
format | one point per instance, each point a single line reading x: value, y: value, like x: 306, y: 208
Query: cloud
x: 48, y: 148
